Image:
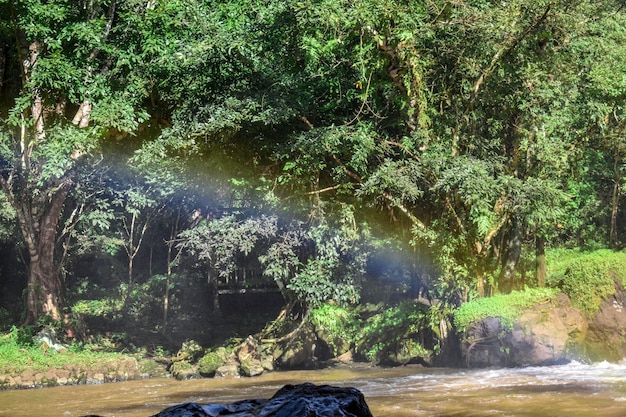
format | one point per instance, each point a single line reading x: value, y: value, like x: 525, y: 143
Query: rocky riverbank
x: 549, y: 330
x: 123, y: 368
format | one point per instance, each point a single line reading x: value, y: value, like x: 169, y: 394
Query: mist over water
x: 573, y: 390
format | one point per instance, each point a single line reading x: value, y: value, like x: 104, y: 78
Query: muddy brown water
x: 573, y: 390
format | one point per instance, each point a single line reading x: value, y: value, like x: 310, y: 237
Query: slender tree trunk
x: 132, y: 249
x: 170, y: 262
x: 480, y: 284
x: 540, y: 260
x: 615, y: 201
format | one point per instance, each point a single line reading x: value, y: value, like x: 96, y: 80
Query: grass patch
x: 19, y: 353
x: 507, y: 307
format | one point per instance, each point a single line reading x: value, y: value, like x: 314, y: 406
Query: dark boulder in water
x: 306, y: 400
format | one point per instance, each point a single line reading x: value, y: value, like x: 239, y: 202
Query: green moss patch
x: 588, y: 277
x: 507, y: 307
x: 208, y: 364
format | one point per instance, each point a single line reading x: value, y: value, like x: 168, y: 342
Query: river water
x: 572, y: 390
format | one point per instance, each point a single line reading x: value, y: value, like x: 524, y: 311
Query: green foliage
x: 558, y: 260
x: 223, y: 241
x: 506, y: 307
x: 462, y: 123
x: 331, y: 271
x: 339, y: 325
x: 588, y: 278
x: 394, y: 328
x: 8, y: 220
x: 106, y: 307
x: 57, y: 155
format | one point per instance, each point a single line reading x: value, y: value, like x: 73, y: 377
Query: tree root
x: 289, y: 335
x: 474, y: 343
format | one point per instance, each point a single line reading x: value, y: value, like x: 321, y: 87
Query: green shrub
x: 557, y: 261
x: 98, y: 308
x: 394, y: 329
x: 507, y: 307
x: 338, y: 325
x: 589, y: 277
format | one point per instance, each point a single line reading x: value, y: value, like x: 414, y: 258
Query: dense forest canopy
x: 147, y: 144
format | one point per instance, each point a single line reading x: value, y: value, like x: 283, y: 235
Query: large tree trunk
x: 511, y: 257
x: 39, y: 221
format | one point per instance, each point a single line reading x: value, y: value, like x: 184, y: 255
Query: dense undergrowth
x: 383, y: 334
x: 587, y: 277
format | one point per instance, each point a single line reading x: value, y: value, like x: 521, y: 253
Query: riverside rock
x: 606, y: 337
x: 292, y: 400
x: 543, y: 335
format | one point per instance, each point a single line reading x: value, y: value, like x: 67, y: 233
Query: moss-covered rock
x: 606, y: 337
x: 190, y: 351
x: 592, y: 277
x: 548, y: 332
x: 297, y: 351
x: 182, y: 370
x: 251, y: 367
x: 506, y: 307
x: 211, y: 361
x: 229, y: 370
x: 152, y: 368
x: 595, y: 283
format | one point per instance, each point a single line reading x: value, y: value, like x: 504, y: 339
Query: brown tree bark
x: 38, y: 221
x: 39, y: 206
